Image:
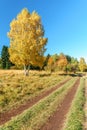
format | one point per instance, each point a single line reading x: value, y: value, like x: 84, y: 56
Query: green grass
x: 36, y: 116
x: 75, y: 117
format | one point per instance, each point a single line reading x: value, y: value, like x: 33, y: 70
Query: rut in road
x: 55, y: 122
x: 6, y: 116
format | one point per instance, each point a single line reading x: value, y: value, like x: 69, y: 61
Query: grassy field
x: 37, y: 115
x: 15, y: 88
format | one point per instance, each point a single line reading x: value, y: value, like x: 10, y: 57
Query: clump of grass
x: 75, y: 117
x: 36, y: 116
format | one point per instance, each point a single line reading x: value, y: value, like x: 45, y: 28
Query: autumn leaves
x: 27, y: 44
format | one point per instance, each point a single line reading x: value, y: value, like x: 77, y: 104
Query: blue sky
x: 64, y: 21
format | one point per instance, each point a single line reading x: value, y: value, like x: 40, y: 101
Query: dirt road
x: 56, y: 121
x: 6, y: 116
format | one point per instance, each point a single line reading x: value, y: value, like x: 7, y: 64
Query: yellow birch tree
x: 27, y: 42
x: 62, y: 62
x: 82, y: 64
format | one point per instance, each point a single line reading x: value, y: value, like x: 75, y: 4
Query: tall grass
x: 36, y: 116
x: 75, y: 117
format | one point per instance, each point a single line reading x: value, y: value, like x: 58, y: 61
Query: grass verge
x: 36, y: 116
x: 75, y: 117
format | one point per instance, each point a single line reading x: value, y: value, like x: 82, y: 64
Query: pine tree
x: 5, y: 62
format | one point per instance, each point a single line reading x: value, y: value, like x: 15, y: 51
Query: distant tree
x: 68, y: 58
x: 62, y: 62
x: 27, y: 44
x: 5, y: 62
x: 50, y: 66
x: 82, y: 64
x: 0, y: 63
x: 55, y: 58
x: 46, y: 61
x: 73, y: 65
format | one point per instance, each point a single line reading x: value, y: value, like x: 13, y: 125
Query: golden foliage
x: 27, y: 44
x: 50, y: 61
x: 82, y: 64
x: 62, y: 61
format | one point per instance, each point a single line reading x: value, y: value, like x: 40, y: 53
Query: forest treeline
x: 52, y: 63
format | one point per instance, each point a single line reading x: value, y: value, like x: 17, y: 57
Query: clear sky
x: 64, y: 21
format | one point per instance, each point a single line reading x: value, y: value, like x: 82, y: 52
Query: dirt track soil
x: 6, y: 116
x: 55, y: 122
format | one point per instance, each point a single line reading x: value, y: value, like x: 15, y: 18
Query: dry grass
x: 34, y: 117
x: 15, y: 88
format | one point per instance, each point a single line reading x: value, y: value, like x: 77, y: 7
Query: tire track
x: 56, y: 121
x: 6, y: 116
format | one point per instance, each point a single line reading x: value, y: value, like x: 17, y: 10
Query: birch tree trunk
x: 26, y: 70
